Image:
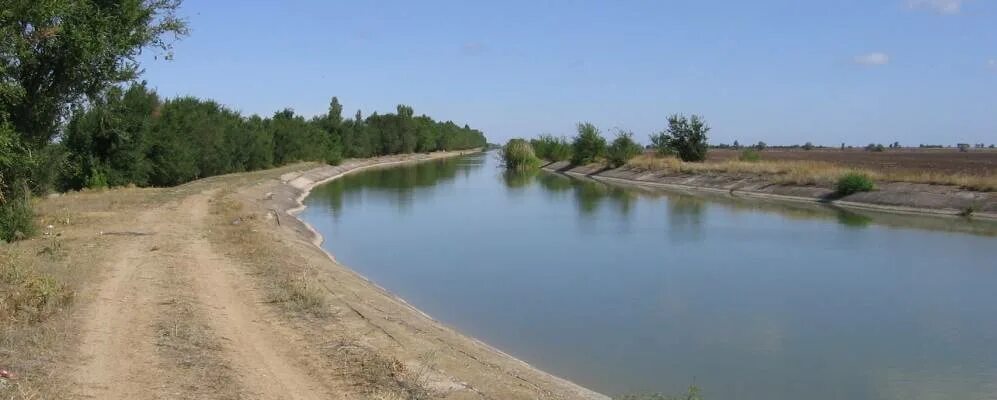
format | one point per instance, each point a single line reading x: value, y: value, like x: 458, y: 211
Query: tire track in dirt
x: 262, y: 355
x: 118, y: 341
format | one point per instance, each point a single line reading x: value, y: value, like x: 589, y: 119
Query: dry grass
x: 810, y: 172
x: 292, y: 288
x: 184, y: 340
x: 39, y: 282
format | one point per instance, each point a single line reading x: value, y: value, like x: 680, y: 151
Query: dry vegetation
x: 42, y: 281
x: 825, y: 168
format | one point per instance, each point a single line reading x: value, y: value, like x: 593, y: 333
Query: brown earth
x: 212, y: 290
x: 973, y: 162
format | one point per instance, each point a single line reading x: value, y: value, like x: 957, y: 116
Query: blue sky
x: 782, y: 71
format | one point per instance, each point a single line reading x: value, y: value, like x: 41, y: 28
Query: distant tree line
x: 685, y: 137
x: 131, y: 136
x: 69, y: 119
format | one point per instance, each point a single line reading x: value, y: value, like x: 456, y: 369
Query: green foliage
x: 132, y: 137
x: 749, y: 155
x: 661, y: 144
x: 875, y: 147
x: 853, y: 182
x: 684, y: 136
x: 16, y: 216
x: 588, y: 146
x: 517, y: 155
x: 623, y: 149
x: 16, y: 167
x: 55, y: 53
x: 761, y: 146
x: 808, y: 146
x: 551, y: 148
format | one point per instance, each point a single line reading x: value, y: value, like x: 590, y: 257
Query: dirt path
x: 119, y: 345
x: 119, y: 337
x: 212, y: 290
x: 264, y: 356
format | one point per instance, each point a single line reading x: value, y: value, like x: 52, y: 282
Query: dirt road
x: 212, y: 290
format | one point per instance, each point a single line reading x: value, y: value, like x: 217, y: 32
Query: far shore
x: 893, y: 197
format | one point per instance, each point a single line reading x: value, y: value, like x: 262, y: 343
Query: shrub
x: 875, y: 147
x: 808, y: 146
x: 761, y: 146
x: 622, y: 150
x: 853, y: 182
x: 551, y: 148
x: 518, y: 155
x: 588, y: 146
x: 684, y: 136
x: 16, y: 218
x: 749, y: 155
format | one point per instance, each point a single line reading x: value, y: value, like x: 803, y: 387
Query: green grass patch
x: 853, y: 182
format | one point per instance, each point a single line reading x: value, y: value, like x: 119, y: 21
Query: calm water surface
x: 623, y: 290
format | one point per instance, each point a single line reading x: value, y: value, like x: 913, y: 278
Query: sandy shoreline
x: 892, y: 197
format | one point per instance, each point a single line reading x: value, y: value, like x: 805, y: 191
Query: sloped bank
x: 462, y: 367
x: 896, y: 197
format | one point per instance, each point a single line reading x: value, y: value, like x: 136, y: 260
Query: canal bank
x: 893, y: 197
x: 447, y: 362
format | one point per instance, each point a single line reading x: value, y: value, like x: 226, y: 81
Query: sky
x: 779, y: 71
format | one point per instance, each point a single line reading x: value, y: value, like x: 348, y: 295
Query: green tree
x: 55, y: 53
x: 623, y: 149
x: 588, y: 146
x: 684, y: 136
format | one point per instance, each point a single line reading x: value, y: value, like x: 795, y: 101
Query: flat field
x: 977, y: 162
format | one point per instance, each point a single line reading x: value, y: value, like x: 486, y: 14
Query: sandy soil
x: 212, y: 290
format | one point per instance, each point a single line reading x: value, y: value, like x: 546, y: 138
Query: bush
x: 518, y: 155
x: 808, y: 146
x: 588, y: 146
x: 551, y: 148
x: 875, y: 147
x: 684, y: 136
x: 749, y: 155
x: 853, y: 182
x: 622, y: 150
x: 16, y: 218
x: 16, y: 169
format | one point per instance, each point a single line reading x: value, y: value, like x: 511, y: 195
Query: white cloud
x: 873, y: 59
x: 939, y: 6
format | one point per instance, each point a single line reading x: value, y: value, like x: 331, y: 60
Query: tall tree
x: 54, y: 53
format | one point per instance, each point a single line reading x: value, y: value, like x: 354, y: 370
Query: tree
x: 622, y: 149
x: 55, y: 53
x: 685, y: 136
x: 737, y: 145
x: 761, y: 146
x: 588, y: 146
x: 808, y: 146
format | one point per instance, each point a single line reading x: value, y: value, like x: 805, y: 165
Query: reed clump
x: 518, y: 155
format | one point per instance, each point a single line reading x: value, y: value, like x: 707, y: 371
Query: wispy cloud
x: 473, y: 48
x: 992, y: 64
x: 873, y: 59
x: 939, y: 6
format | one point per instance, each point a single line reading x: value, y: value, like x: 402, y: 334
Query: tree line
x: 72, y: 114
x: 131, y: 136
x: 685, y: 137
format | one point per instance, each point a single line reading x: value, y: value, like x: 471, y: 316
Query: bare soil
x: 211, y: 290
